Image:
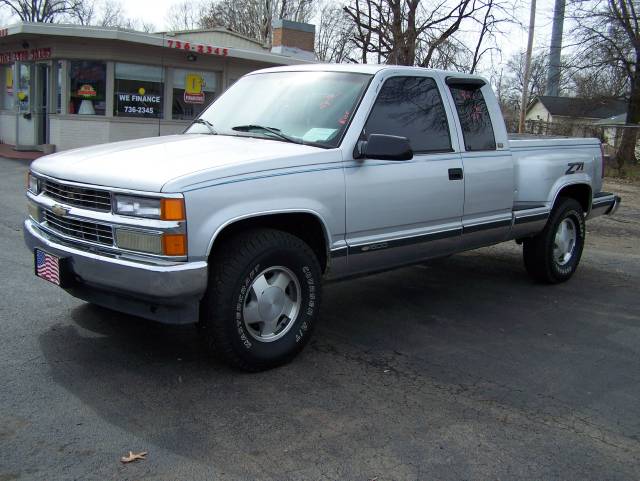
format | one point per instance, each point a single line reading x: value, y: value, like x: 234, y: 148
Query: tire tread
x: 228, y: 264
x: 535, y: 250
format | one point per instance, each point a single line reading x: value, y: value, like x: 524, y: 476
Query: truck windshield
x: 302, y: 107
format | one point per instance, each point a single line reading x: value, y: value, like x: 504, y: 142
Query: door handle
x: 455, y: 174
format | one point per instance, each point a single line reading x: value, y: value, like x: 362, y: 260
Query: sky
x: 155, y: 11
x: 515, y: 40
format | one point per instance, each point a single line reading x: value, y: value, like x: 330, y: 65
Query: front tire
x: 263, y: 299
x: 553, y: 255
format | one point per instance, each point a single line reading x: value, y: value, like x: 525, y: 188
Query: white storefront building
x: 67, y: 86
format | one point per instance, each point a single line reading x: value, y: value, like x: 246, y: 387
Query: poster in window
x: 88, y: 84
x: 139, y: 102
x: 193, y: 93
x: 9, y: 80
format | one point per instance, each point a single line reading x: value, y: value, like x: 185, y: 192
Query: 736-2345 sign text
x: 198, y: 48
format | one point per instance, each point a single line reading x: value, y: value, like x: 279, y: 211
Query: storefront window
x: 192, y: 92
x: 87, y: 87
x: 138, y: 91
x: 6, y: 78
x: 24, y: 88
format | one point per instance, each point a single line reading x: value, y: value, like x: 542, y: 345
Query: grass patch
x: 630, y: 172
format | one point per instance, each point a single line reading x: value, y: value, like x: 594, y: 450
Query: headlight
x: 138, y: 206
x: 33, y: 185
x: 150, y: 207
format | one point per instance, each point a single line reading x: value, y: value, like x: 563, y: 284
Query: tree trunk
x: 626, y: 153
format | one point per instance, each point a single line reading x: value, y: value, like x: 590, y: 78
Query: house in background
x: 573, y: 116
x: 613, y: 127
x: 573, y: 109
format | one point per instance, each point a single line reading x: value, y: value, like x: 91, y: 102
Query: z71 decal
x: 574, y: 167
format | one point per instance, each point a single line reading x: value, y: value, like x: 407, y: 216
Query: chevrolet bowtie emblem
x: 59, y: 210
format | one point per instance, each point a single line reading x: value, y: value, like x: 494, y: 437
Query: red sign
x: 87, y: 90
x: 4, y: 32
x: 40, y: 53
x: 198, y: 48
x: 25, y: 55
x: 194, y: 98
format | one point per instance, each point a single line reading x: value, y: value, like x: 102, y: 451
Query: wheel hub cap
x: 272, y: 304
x: 564, y: 242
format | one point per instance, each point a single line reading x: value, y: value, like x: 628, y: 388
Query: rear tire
x: 263, y: 299
x: 553, y: 255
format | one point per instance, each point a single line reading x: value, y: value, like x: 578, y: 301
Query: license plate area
x: 49, y: 267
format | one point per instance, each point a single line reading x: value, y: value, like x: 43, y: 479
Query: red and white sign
x: 198, y: 48
x: 25, y: 55
x: 87, y: 90
x: 194, y: 98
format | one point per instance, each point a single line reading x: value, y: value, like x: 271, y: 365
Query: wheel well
x: 579, y: 192
x: 307, y: 227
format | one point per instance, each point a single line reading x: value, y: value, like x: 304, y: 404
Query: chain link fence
x: 566, y: 129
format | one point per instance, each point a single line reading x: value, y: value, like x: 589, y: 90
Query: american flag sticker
x: 48, y: 267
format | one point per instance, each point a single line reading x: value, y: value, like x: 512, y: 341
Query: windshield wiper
x: 271, y: 130
x: 207, y: 124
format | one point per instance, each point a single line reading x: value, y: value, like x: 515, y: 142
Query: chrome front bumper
x: 168, y: 292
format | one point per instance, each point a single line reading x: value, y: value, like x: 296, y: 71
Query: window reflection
x: 411, y: 107
x: 474, y: 118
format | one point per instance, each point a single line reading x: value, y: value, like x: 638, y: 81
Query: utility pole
x: 527, y: 67
x: 553, y: 78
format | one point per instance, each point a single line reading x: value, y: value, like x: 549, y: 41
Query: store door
x: 41, y: 103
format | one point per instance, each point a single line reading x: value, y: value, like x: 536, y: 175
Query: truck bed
x: 528, y: 141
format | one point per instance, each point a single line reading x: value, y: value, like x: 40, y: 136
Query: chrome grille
x: 79, y: 229
x: 78, y: 196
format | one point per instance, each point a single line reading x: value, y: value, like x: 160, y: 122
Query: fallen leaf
x: 133, y: 457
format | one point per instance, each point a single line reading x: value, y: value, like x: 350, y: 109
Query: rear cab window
x: 475, y: 120
x: 411, y: 107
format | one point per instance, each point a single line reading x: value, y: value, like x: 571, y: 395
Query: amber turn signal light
x: 172, y: 209
x: 174, y: 244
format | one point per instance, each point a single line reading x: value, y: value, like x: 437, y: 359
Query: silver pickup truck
x: 296, y: 175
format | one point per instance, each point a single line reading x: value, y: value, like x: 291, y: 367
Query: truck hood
x: 182, y: 160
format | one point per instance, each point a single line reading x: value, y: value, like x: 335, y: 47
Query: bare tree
x: 333, y: 34
x: 111, y: 14
x: 496, y: 15
x: 106, y: 13
x: 611, y: 30
x: 85, y: 13
x: 514, y: 75
x: 44, y: 11
x: 603, y: 82
x: 253, y: 18
x: 185, y: 15
x: 422, y: 32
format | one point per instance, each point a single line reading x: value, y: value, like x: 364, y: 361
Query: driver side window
x: 411, y: 107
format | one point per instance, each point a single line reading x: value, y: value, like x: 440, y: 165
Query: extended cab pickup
x: 296, y: 175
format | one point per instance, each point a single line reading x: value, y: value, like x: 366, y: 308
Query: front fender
x: 211, y: 209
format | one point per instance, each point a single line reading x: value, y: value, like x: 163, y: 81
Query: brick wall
x: 69, y: 132
x: 290, y: 34
x: 293, y: 38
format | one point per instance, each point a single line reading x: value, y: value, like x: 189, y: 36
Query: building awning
x: 142, y: 38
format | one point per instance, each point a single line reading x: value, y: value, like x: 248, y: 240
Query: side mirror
x: 384, y: 147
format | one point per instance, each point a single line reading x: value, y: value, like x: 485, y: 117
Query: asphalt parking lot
x: 462, y: 369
